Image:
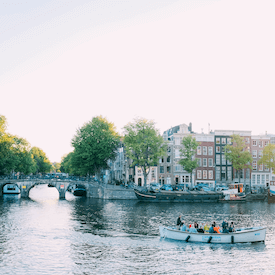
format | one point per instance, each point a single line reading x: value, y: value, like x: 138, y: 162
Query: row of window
x: 202, y: 174
x: 221, y: 160
x: 223, y: 140
x: 255, y: 153
x: 261, y: 167
x: 260, y: 142
x: 203, y: 162
x: 259, y: 179
x: 206, y: 150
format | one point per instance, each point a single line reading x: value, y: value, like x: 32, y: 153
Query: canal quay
x: 43, y: 234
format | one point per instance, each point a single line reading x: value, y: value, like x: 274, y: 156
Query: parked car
x: 154, y: 186
x: 167, y: 187
x: 179, y: 187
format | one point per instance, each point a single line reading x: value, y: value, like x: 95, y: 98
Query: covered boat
x: 77, y: 189
x: 11, y: 188
x: 178, y: 196
x: 242, y: 235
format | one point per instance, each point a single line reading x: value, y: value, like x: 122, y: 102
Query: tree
x: 143, y: 144
x: 94, y: 144
x: 238, y: 154
x: 188, y: 162
x: 268, y: 157
x: 42, y: 164
x: 66, y: 164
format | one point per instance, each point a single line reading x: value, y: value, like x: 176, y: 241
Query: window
x: 210, y: 151
x: 168, y: 169
x: 198, y: 150
x: 199, y: 162
x: 253, y: 179
x: 168, y: 159
x: 218, y: 173
x: 218, y: 149
x: 229, y: 173
x: 210, y: 174
x: 258, y: 179
x: 161, y: 169
x: 260, y: 153
x: 204, y: 150
x: 204, y: 162
x: 247, y: 140
x: 177, y: 141
x: 262, y: 179
x: 266, y: 168
x: 218, y: 160
x: 186, y: 178
x: 254, y: 153
x: 183, y: 178
x: 265, y: 143
x: 177, y: 168
x: 261, y: 167
x: 177, y: 153
x: 218, y: 140
x: 254, y: 164
x: 260, y: 143
x: 223, y: 140
x: 210, y: 162
x: 169, y: 149
x: 204, y: 174
x: 223, y: 160
x: 198, y: 174
x: 229, y: 141
x: 254, y: 142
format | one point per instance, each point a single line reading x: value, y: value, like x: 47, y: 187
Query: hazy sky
x: 62, y: 62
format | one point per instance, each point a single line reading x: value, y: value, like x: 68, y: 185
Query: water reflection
x: 45, y: 235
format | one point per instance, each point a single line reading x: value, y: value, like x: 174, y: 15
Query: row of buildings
x: 213, y: 168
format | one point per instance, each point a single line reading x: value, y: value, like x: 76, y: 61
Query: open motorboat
x: 242, y: 235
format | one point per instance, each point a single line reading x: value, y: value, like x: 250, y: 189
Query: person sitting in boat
x: 224, y: 224
x: 217, y: 229
x: 200, y: 230
x: 179, y: 222
x: 192, y: 229
x: 232, y: 227
x: 211, y: 229
x: 196, y: 225
x: 184, y: 227
x: 206, y: 227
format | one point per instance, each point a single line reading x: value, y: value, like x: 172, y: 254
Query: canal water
x: 45, y: 235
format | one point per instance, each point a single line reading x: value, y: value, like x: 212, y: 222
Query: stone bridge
x: 26, y: 185
x: 93, y: 189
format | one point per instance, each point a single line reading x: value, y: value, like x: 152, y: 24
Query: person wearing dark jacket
x: 179, y: 222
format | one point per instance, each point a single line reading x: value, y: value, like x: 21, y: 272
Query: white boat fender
x: 188, y: 237
x: 232, y: 239
x: 209, y: 240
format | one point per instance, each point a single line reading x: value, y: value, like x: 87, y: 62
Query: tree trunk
x: 191, y: 180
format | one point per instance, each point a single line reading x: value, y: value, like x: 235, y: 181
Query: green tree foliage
x: 188, y: 162
x: 15, y: 153
x: 42, y: 164
x: 66, y: 164
x: 268, y: 158
x: 144, y: 145
x: 238, y: 154
x: 94, y: 144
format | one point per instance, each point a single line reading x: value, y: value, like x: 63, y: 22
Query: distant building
x: 205, y: 173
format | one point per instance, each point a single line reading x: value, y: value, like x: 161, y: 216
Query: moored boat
x: 11, y: 188
x: 178, y: 196
x: 271, y: 192
x: 242, y: 235
x: 78, y: 190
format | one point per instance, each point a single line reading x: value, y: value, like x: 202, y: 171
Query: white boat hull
x: 243, y: 235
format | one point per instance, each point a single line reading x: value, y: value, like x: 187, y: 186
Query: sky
x: 63, y: 62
